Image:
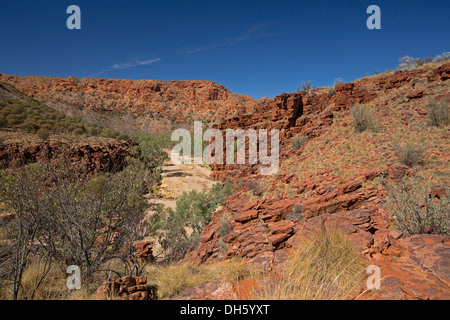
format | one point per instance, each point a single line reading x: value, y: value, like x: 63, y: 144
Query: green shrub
x: 78, y: 131
x: 442, y: 57
x: 151, y: 151
x: 123, y: 136
x: 410, y: 154
x: 83, y: 220
x: 47, y: 126
x: 43, y: 134
x: 438, y: 112
x: 331, y: 91
x: 14, y: 119
x: 3, y: 122
x: 362, y: 117
x: 93, y: 131
x: 17, y: 109
x: 29, y: 126
x: 193, y: 212
x: 338, y: 81
x: 415, y: 211
x: 407, y: 63
x: 306, y: 86
x: 298, y: 142
x: 106, y: 132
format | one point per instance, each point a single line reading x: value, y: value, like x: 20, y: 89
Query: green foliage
x: 78, y: 131
x: 306, y: 86
x: 331, y: 91
x: 184, y: 225
x: 407, y: 63
x: 83, y: 221
x: 298, y: 142
x: 43, y: 134
x: 3, y: 122
x: 362, y: 116
x: 31, y: 117
x: 439, y: 112
x: 151, y: 149
x: 442, y: 57
x: 338, y: 81
x: 416, y: 211
x: 421, y: 62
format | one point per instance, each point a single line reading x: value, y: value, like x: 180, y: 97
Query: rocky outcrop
x: 263, y: 230
x: 106, y: 157
x: 415, y: 268
x: 143, y: 250
x: 127, y: 288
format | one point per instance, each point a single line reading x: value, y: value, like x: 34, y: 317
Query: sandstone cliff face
x: 106, y: 157
x: 134, y: 105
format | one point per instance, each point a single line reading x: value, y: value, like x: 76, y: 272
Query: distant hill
x: 134, y: 105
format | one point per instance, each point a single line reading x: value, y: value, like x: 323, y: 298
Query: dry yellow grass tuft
x: 324, y: 267
x: 52, y: 287
x: 173, y: 279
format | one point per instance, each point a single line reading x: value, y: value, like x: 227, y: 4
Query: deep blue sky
x: 259, y: 48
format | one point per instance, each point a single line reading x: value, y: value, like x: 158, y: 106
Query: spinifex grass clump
x: 170, y: 280
x: 363, y: 118
x: 324, y: 267
x: 439, y: 112
x: 298, y: 142
x: 410, y: 154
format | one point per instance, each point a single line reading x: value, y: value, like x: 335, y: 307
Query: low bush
x: 43, y: 134
x: 180, y: 231
x: 415, y: 211
x: 29, y: 117
x: 410, y: 154
x: 298, y: 142
x: 306, y: 86
x: 439, y: 112
x: 82, y: 220
x: 151, y: 150
x: 331, y: 91
x: 362, y: 117
x: 78, y: 131
x: 338, y: 81
x: 442, y: 57
x: 407, y: 63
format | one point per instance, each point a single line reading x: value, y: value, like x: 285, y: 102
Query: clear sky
x: 259, y: 48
